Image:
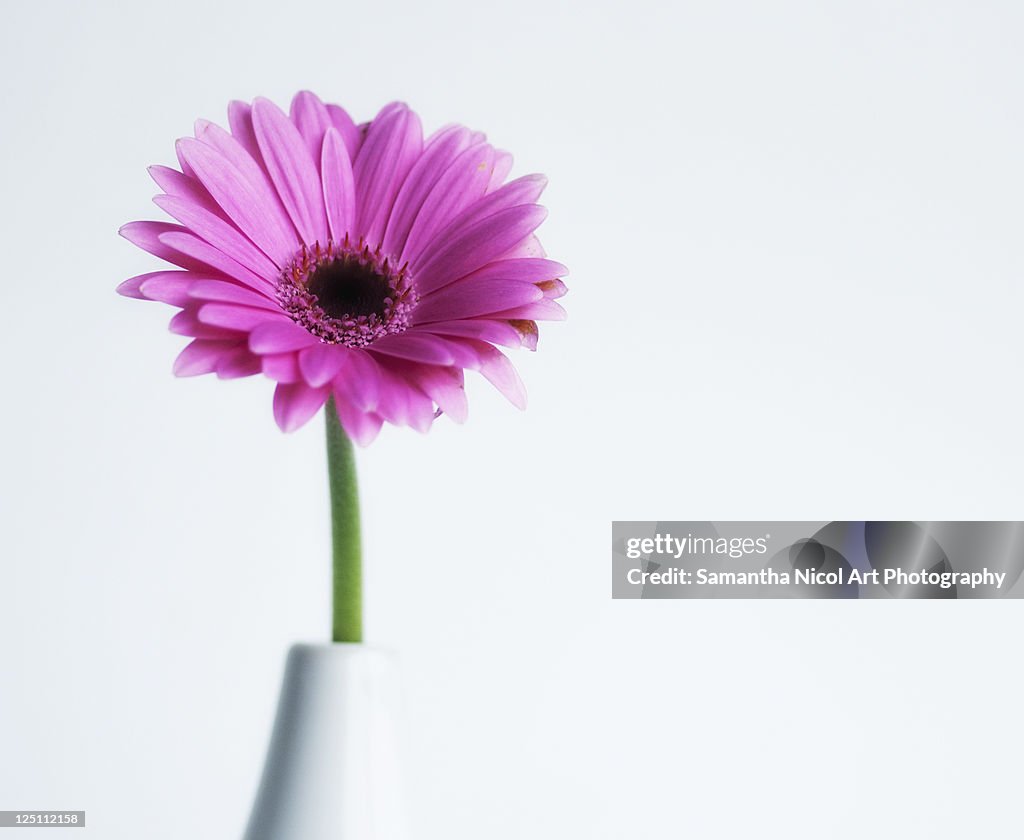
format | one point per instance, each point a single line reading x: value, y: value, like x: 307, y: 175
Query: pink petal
x: 462, y: 183
x: 528, y: 331
x: 362, y: 427
x: 476, y: 245
x: 498, y: 370
x: 463, y: 352
x: 176, y: 183
x: 220, y: 234
x: 524, y: 190
x: 242, y: 190
x: 171, y: 287
x: 393, y: 142
x: 211, y: 257
x: 295, y: 404
x: 242, y: 318
x: 415, y: 348
x: 164, y: 286
x: 279, y: 337
x: 496, y: 332
x: 529, y: 247
x: 391, y: 108
x: 471, y: 297
x: 553, y: 288
x: 421, y: 414
x: 237, y: 364
x: 502, y: 166
x: 445, y: 387
x: 523, y: 269
x: 292, y: 170
x: 130, y: 287
x: 400, y: 401
x: 348, y: 130
x: 310, y: 117
x: 187, y: 323
x: 240, y: 122
x: 226, y: 292
x: 201, y: 356
x: 393, y: 403
x: 281, y: 367
x: 339, y: 189
x: 146, y: 235
x: 527, y: 270
x: 542, y: 310
x: 186, y: 170
x: 320, y: 363
x: 359, y: 381
x: 440, y: 151
x: 495, y: 367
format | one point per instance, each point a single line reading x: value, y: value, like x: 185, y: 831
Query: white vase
x: 332, y: 768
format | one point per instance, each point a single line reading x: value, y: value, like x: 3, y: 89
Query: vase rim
x: 339, y: 648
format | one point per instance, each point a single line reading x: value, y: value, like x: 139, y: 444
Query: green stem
x: 348, y: 561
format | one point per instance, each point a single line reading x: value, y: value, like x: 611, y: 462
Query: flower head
x: 360, y: 262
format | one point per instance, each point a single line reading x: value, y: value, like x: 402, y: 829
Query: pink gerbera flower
x: 359, y: 262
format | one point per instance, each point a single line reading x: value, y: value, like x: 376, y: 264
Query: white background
x: 794, y: 231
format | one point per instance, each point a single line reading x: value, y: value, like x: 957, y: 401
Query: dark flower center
x: 347, y: 288
x: 346, y: 294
